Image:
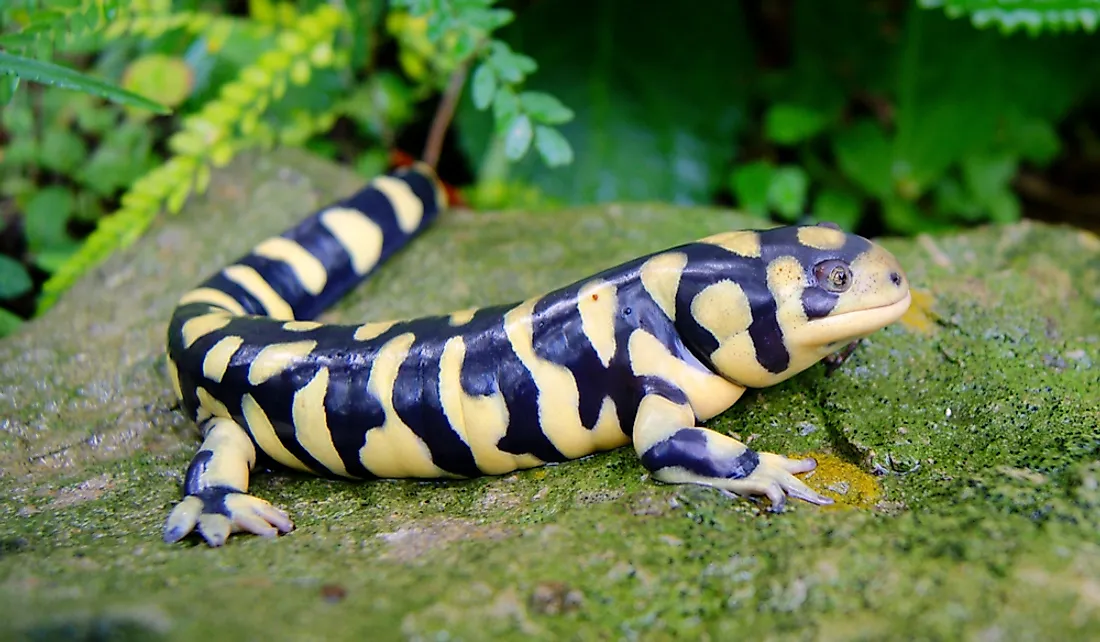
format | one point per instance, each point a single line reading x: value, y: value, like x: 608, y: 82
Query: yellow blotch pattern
x: 276, y: 358
x: 462, y: 317
x: 368, y: 331
x: 213, y: 297
x: 707, y: 393
x: 661, y: 279
x: 481, y: 422
x: 393, y: 450
x: 657, y: 419
x: 723, y: 309
x: 307, y: 268
x: 598, y: 305
x: 360, y: 237
x: 300, y: 326
x: 311, y: 423
x: 174, y: 378
x: 821, y: 238
x: 233, y: 455
x: 217, y: 358
x: 742, y: 243
x: 558, y: 398
x: 197, y: 327
x: 409, y: 208
x: 209, y: 406
x: 259, y: 426
x: 254, y: 284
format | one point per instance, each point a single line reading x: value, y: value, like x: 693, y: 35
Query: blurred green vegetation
x: 885, y: 116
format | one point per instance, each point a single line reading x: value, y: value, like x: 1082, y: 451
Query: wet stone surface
x: 962, y: 445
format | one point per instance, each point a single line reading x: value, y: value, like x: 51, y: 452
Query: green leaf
x: 544, y: 108
x: 903, y: 217
x: 505, y: 107
x: 988, y: 179
x: 517, y: 140
x: 9, y: 323
x: 750, y: 183
x: 1033, y: 139
x: 512, y: 67
x: 14, y: 279
x: 951, y: 101
x: 553, y: 147
x: 1004, y: 207
x: 953, y: 200
x: 841, y: 208
x: 51, y: 260
x: 383, y: 103
x: 464, y: 46
x: 488, y: 19
x: 8, y: 86
x: 121, y: 158
x: 657, y: 111
x: 787, y: 192
x: 943, y: 121
x: 62, y: 150
x: 46, y: 217
x: 167, y: 79
x: 788, y: 124
x: 987, y: 176
x: 372, y: 162
x: 865, y: 155
x: 484, y: 86
x: 50, y: 74
x: 95, y: 120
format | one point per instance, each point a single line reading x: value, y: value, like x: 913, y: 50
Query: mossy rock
x: 962, y: 445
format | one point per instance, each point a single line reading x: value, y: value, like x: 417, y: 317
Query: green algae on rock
x: 963, y: 445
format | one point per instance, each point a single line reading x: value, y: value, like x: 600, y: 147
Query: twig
x: 443, y: 115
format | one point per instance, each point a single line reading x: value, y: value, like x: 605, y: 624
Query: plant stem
x: 443, y: 115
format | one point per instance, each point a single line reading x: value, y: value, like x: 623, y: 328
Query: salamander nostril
x: 895, y: 278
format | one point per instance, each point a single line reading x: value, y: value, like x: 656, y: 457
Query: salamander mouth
x: 855, y: 324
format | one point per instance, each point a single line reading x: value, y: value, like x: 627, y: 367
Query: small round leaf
x: 545, y: 108
x: 787, y: 191
x: 788, y: 124
x: 484, y: 86
x: 166, y: 79
x: 14, y: 280
x: 553, y: 147
x: 749, y: 183
x: 518, y: 138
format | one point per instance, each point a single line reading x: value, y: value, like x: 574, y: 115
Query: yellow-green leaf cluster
x: 212, y: 136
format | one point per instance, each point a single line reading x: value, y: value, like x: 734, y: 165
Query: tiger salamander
x: 639, y: 354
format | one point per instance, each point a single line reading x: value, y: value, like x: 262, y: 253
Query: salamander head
x: 813, y: 289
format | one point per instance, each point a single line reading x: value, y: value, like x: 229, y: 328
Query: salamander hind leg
x: 215, y: 489
x: 675, y: 451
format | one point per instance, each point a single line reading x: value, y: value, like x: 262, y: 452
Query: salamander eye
x: 833, y: 275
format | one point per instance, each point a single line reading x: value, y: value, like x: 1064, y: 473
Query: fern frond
x: 62, y: 25
x: 1035, y: 16
x: 217, y: 29
x: 48, y: 73
x: 211, y: 138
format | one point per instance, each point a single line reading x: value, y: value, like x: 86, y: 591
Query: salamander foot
x: 220, y: 511
x: 775, y: 479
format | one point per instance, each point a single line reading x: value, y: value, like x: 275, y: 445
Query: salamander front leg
x: 216, y: 491
x: 677, y: 452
